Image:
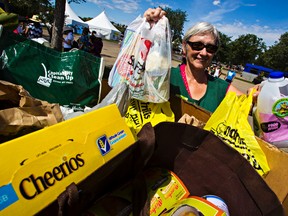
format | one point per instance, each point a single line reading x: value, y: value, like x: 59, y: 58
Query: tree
x: 120, y: 27
x: 27, y: 7
x: 223, y: 53
x: 276, y: 57
x: 6, y: 6
x: 177, y: 18
x: 246, y: 48
x: 57, y: 26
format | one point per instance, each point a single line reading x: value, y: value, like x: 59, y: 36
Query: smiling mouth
x: 202, y: 60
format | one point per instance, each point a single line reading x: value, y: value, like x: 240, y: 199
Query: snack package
x: 194, y: 206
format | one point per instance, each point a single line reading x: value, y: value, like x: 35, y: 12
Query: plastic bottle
x: 272, y: 110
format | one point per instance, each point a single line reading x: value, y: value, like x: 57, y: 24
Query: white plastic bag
x: 144, y: 61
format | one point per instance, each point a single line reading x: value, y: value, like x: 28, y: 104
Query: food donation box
x: 37, y: 167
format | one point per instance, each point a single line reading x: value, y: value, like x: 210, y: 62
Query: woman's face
x: 198, y: 58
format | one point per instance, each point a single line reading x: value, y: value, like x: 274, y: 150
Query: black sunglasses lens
x: 211, y: 48
x: 199, y: 46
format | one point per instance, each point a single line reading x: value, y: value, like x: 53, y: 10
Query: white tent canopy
x: 102, y: 25
x: 72, y: 18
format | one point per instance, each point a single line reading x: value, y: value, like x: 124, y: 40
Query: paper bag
x: 20, y: 113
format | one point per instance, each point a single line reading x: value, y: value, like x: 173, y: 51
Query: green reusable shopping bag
x: 71, y: 79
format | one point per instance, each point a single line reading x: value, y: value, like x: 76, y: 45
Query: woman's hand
x: 152, y: 15
x: 256, y: 89
x: 256, y: 92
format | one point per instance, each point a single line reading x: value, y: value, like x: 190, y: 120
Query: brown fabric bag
x: 207, y: 165
x: 204, y: 163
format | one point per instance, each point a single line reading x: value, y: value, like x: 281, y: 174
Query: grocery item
x: 219, y: 202
x: 271, y: 115
x: 194, y: 206
x: 164, y: 189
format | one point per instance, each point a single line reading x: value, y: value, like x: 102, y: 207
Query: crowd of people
x: 31, y: 28
x: 87, y: 42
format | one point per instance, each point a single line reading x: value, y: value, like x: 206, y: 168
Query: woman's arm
x: 232, y: 88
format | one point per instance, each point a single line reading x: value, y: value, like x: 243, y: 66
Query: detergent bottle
x: 271, y: 114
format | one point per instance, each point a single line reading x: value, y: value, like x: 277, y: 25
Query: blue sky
x: 266, y: 19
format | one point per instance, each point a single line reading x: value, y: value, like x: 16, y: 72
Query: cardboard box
x: 277, y: 159
x: 37, y: 167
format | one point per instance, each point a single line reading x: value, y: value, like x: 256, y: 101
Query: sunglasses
x: 199, y: 46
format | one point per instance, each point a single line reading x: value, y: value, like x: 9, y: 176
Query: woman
x: 68, y: 40
x: 191, y: 79
x: 34, y: 29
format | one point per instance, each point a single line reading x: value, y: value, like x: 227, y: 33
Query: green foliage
x: 246, y: 48
x: 30, y: 7
x: 222, y: 54
x: 120, y: 27
x: 177, y: 18
x: 276, y: 57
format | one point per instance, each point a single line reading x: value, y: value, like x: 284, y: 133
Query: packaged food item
x: 271, y: 115
x: 194, y: 205
x: 164, y: 189
x: 183, y: 210
x: 218, y: 202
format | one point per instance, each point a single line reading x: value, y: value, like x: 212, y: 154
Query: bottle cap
x: 276, y: 74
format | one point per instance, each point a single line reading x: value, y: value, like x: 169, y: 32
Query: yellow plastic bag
x: 230, y: 123
x: 139, y: 113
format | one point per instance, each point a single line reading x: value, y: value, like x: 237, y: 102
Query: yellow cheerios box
x: 37, y: 167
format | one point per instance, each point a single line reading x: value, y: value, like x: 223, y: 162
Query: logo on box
x: 103, y: 145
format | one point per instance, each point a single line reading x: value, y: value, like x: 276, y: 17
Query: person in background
x: 217, y: 71
x: 211, y: 70
x: 259, y: 78
x: 97, y: 45
x: 68, y: 40
x: 20, y: 28
x: 84, y: 42
x: 230, y: 76
x: 34, y: 28
x: 191, y: 80
x: 94, y: 33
